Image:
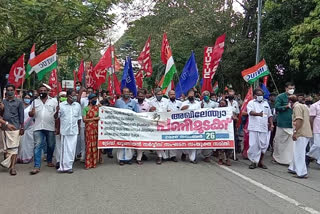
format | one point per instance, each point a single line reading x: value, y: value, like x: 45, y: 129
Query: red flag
x: 117, y: 65
x: 145, y: 58
x: 117, y: 85
x: 139, y: 79
x: 265, y: 80
x: 212, y: 57
x: 54, y: 84
x: 89, y: 76
x: 165, y: 49
x: 17, y: 72
x: 248, y: 97
x: 100, y: 70
x: 80, y: 71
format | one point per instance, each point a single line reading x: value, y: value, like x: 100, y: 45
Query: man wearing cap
x: 43, y: 111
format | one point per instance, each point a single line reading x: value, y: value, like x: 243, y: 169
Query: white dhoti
x: 124, y: 154
x: 315, y: 148
x: 258, y: 144
x: 57, y: 149
x: 26, y: 148
x: 11, y: 141
x: 68, y: 152
x: 298, y: 163
x: 162, y: 154
x: 283, y: 147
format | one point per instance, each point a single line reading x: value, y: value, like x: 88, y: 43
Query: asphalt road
x: 168, y: 188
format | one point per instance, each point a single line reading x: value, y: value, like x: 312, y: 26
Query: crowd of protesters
x: 64, y: 128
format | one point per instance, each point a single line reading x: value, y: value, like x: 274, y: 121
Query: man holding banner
x: 125, y: 155
x: 159, y: 104
x: 190, y: 104
x: 260, y: 120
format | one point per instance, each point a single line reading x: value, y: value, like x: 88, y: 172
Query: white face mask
x: 259, y: 98
x: 290, y: 91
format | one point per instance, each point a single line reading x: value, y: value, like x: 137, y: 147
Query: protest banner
x: 199, y: 129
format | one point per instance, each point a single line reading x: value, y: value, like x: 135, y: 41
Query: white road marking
x: 272, y: 191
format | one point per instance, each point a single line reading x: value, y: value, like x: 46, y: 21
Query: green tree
x: 77, y: 26
x: 305, y: 41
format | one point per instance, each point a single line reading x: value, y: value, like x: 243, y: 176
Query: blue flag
x: 265, y: 90
x: 188, y: 77
x: 128, y: 79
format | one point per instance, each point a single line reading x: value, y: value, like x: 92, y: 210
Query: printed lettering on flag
x: 253, y: 74
x: 212, y: 57
x: 145, y: 59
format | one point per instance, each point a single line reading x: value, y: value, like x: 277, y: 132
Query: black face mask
x: 172, y: 99
x: 309, y: 102
x: 140, y: 100
x: 230, y: 97
x: 43, y: 95
x: 191, y: 99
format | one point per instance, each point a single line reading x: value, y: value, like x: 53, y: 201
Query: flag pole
x: 274, y: 83
x: 21, y: 90
x: 57, y: 82
x: 255, y: 84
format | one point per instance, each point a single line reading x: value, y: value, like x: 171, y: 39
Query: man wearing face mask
x: 283, y: 143
x: 12, y: 111
x: 206, y: 102
x: 260, y: 123
x: 190, y: 104
x: 173, y: 105
x: 43, y: 110
x: 78, y: 86
x: 143, y: 107
x: 159, y: 104
x: 125, y: 155
x: 236, y: 111
x: 301, y: 135
x: 70, y: 116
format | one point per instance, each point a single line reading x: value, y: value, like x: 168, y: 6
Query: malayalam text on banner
x: 198, y: 129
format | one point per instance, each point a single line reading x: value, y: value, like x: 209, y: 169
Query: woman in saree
x: 90, y: 118
x: 25, y: 154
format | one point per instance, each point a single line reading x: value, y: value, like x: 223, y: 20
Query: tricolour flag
x: 166, y: 57
x: 252, y: 74
x: 44, y: 62
x: 188, y: 78
x: 216, y: 87
x: 32, y: 55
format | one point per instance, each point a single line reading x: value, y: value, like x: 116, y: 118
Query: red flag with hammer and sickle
x: 54, y: 83
x: 17, y: 72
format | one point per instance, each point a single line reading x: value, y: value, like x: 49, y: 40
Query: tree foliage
x: 79, y: 28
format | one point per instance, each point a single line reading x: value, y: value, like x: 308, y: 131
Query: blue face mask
x: 78, y: 88
x: 206, y: 98
x: 27, y: 101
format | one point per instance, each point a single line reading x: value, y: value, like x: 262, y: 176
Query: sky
x: 120, y: 27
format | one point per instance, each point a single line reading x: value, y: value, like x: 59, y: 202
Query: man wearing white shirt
x: 143, y: 107
x: 159, y: 104
x: 260, y: 122
x: 206, y: 102
x: 43, y: 111
x: 70, y: 116
x: 173, y: 105
x: 190, y: 104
